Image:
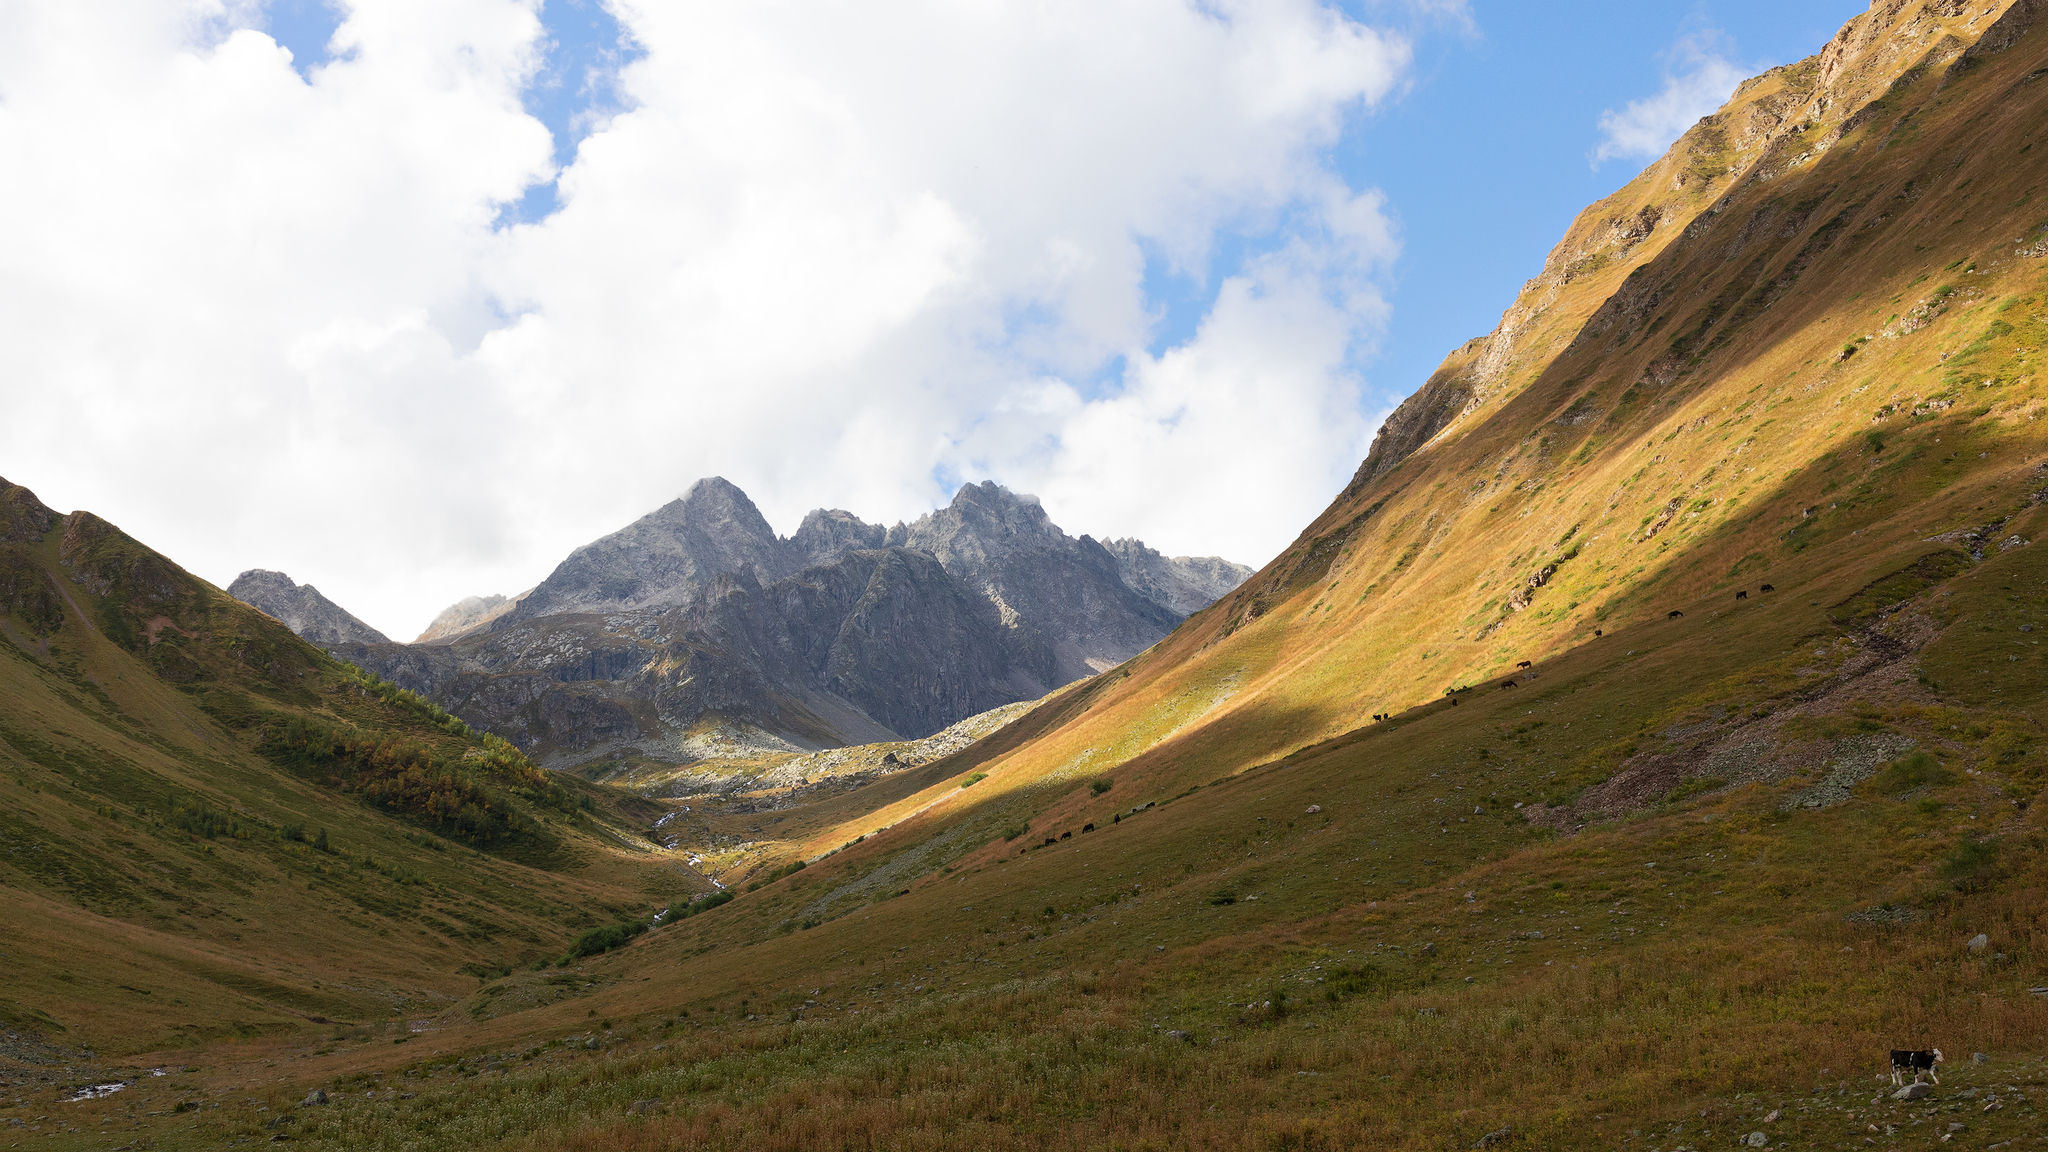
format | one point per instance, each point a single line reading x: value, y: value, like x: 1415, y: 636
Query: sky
x: 408, y: 298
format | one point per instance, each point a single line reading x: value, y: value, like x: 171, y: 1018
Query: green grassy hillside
x: 1684, y: 877
x: 214, y: 832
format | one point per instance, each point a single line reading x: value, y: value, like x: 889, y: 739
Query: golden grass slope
x: 1687, y: 880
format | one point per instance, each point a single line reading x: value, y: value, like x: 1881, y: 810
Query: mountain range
x: 1646, y: 741
x: 698, y: 616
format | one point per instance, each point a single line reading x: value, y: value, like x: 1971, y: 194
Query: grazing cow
x: 1917, y: 1062
x: 1673, y: 614
x: 1507, y: 684
x: 1049, y: 842
x: 1454, y: 701
x: 1742, y: 595
x: 1767, y: 588
x: 1087, y: 827
x: 1523, y: 664
x: 1066, y: 835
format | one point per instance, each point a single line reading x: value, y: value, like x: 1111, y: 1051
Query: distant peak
x: 988, y: 491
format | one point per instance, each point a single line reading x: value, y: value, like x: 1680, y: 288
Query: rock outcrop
x: 301, y: 608
x: 1180, y: 584
x: 844, y: 632
x: 467, y: 615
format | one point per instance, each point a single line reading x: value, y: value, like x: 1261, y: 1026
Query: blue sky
x: 1485, y: 160
x: 1163, y: 265
x: 1485, y: 157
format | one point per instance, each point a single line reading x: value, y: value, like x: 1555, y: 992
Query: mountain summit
x: 699, y: 614
x: 301, y: 608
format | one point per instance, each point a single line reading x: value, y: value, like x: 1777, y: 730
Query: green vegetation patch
x: 1871, y: 600
x: 470, y: 798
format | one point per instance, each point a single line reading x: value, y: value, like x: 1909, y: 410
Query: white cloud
x: 829, y: 251
x: 1698, y: 79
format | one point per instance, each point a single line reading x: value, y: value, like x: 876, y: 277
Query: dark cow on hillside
x: 1087, y: 827
x: 1066, y: 835
x: 1742, y: 595
x: 1454, y: 701
x: 1673, y: 614
x: 1507, y: 684
x: 1919, y: 1062
x: 1523, y: 664
x: 1767, y: 588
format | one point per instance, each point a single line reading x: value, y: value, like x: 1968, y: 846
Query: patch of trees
x: 470, y: 798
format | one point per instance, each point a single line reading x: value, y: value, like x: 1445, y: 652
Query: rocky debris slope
x: 301, y: 608
x: 846, y: 632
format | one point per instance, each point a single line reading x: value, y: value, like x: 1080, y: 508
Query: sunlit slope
x: 1366, y: 944
x: 1680, y: 882
x: 1683, y: 406
x: 179, y: 872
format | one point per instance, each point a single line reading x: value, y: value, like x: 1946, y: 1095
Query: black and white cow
x: 1917, y: 1062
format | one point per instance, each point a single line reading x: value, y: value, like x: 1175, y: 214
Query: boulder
x: 314, y: 1098
x: 1756, y: 1140
x: 1979, y: 942
x: 1914, y: 1091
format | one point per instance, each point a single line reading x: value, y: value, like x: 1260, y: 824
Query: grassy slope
x: 131, y: 722
x: 1418, y: 963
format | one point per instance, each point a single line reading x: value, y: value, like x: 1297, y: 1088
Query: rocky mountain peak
x: 301, y: 608
x: 467, y: 615
x: 664, y: 558
x: 1184, y: 584
x: 23, y: 518
x: 825, y: 533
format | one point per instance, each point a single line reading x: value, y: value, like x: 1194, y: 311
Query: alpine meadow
x: 1645, y: 741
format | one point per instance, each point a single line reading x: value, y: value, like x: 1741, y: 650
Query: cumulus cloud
x: 843, y: 255
x: 1698, y: 78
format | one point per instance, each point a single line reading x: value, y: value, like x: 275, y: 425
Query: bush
x: 971, y: 781
x: 196, y: 818
x: 1101, y: 786
x: 1914, y: 771
x: 1972, y: 867
x: 702, y: 904
x: 604, y: 939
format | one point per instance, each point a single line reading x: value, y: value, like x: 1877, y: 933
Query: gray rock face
x: 1063, y: 596
x: 846, y: 632
x: 467, y: 615
x: 1182, y: 584
x: 301, y: 608
x: 666, y: 557
x: 826, y: 533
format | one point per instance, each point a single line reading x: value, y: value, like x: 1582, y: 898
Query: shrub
x: 1101, y: 786
x: 1913, y: 771
x: 1972, y: 867
x: 702, y: 904
x: 604, y: 939
x: 196, y: 818
x: 971, y: 781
